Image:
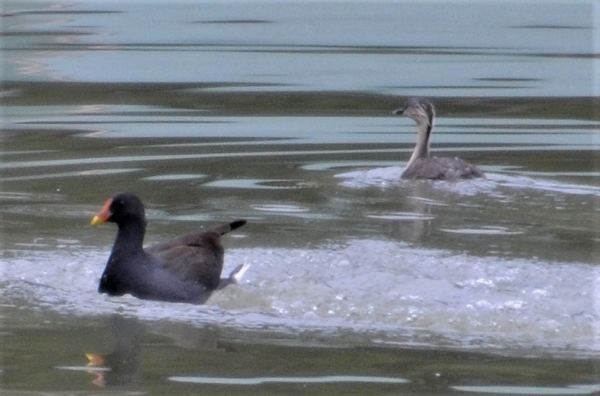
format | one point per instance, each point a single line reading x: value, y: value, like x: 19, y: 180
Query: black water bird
x: 185, y: 269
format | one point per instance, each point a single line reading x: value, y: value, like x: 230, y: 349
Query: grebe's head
x: 418, y: 109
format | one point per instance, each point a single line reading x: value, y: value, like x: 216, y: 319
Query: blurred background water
x: 280, y: 113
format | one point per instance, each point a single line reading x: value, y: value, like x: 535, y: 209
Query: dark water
x: 280, y: 113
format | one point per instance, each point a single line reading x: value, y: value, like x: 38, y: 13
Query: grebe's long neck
x: 422, y: 147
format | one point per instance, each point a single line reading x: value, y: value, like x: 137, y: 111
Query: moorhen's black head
x: 121, y: 208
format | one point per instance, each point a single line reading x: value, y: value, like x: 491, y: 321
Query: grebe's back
x: 435, y: 168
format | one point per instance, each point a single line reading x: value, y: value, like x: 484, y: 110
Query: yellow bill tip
x: 94, y: 359
x: 97, y: 220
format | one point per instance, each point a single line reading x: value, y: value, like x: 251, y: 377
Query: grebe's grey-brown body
x: 421, y: 165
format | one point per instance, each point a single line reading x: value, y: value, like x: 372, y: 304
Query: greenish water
x: 169, y: 357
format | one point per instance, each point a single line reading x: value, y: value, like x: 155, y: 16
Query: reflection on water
x: 280, y: 113
x: 126, y: 355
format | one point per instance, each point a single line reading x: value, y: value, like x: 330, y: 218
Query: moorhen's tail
x: 235, y: 276
x: 224, y: 229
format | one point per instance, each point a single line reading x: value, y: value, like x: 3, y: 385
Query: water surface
x: 280, y: 113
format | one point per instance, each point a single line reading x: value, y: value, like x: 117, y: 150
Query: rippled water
x: 281, y: 114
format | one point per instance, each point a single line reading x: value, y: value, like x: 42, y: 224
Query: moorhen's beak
x: 94, y: 359
x: 104, y: 214
x: 399, y: 111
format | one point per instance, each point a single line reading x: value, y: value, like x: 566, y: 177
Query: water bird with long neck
x: 421, y: 164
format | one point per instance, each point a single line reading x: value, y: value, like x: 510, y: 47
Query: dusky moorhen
x: 186, y: 269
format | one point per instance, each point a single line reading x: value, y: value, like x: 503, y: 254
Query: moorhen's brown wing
x: 196, y: 257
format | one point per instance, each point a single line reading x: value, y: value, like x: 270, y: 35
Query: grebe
x: 421, y: 165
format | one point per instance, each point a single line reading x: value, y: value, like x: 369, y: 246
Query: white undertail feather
x: 238, y: 273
